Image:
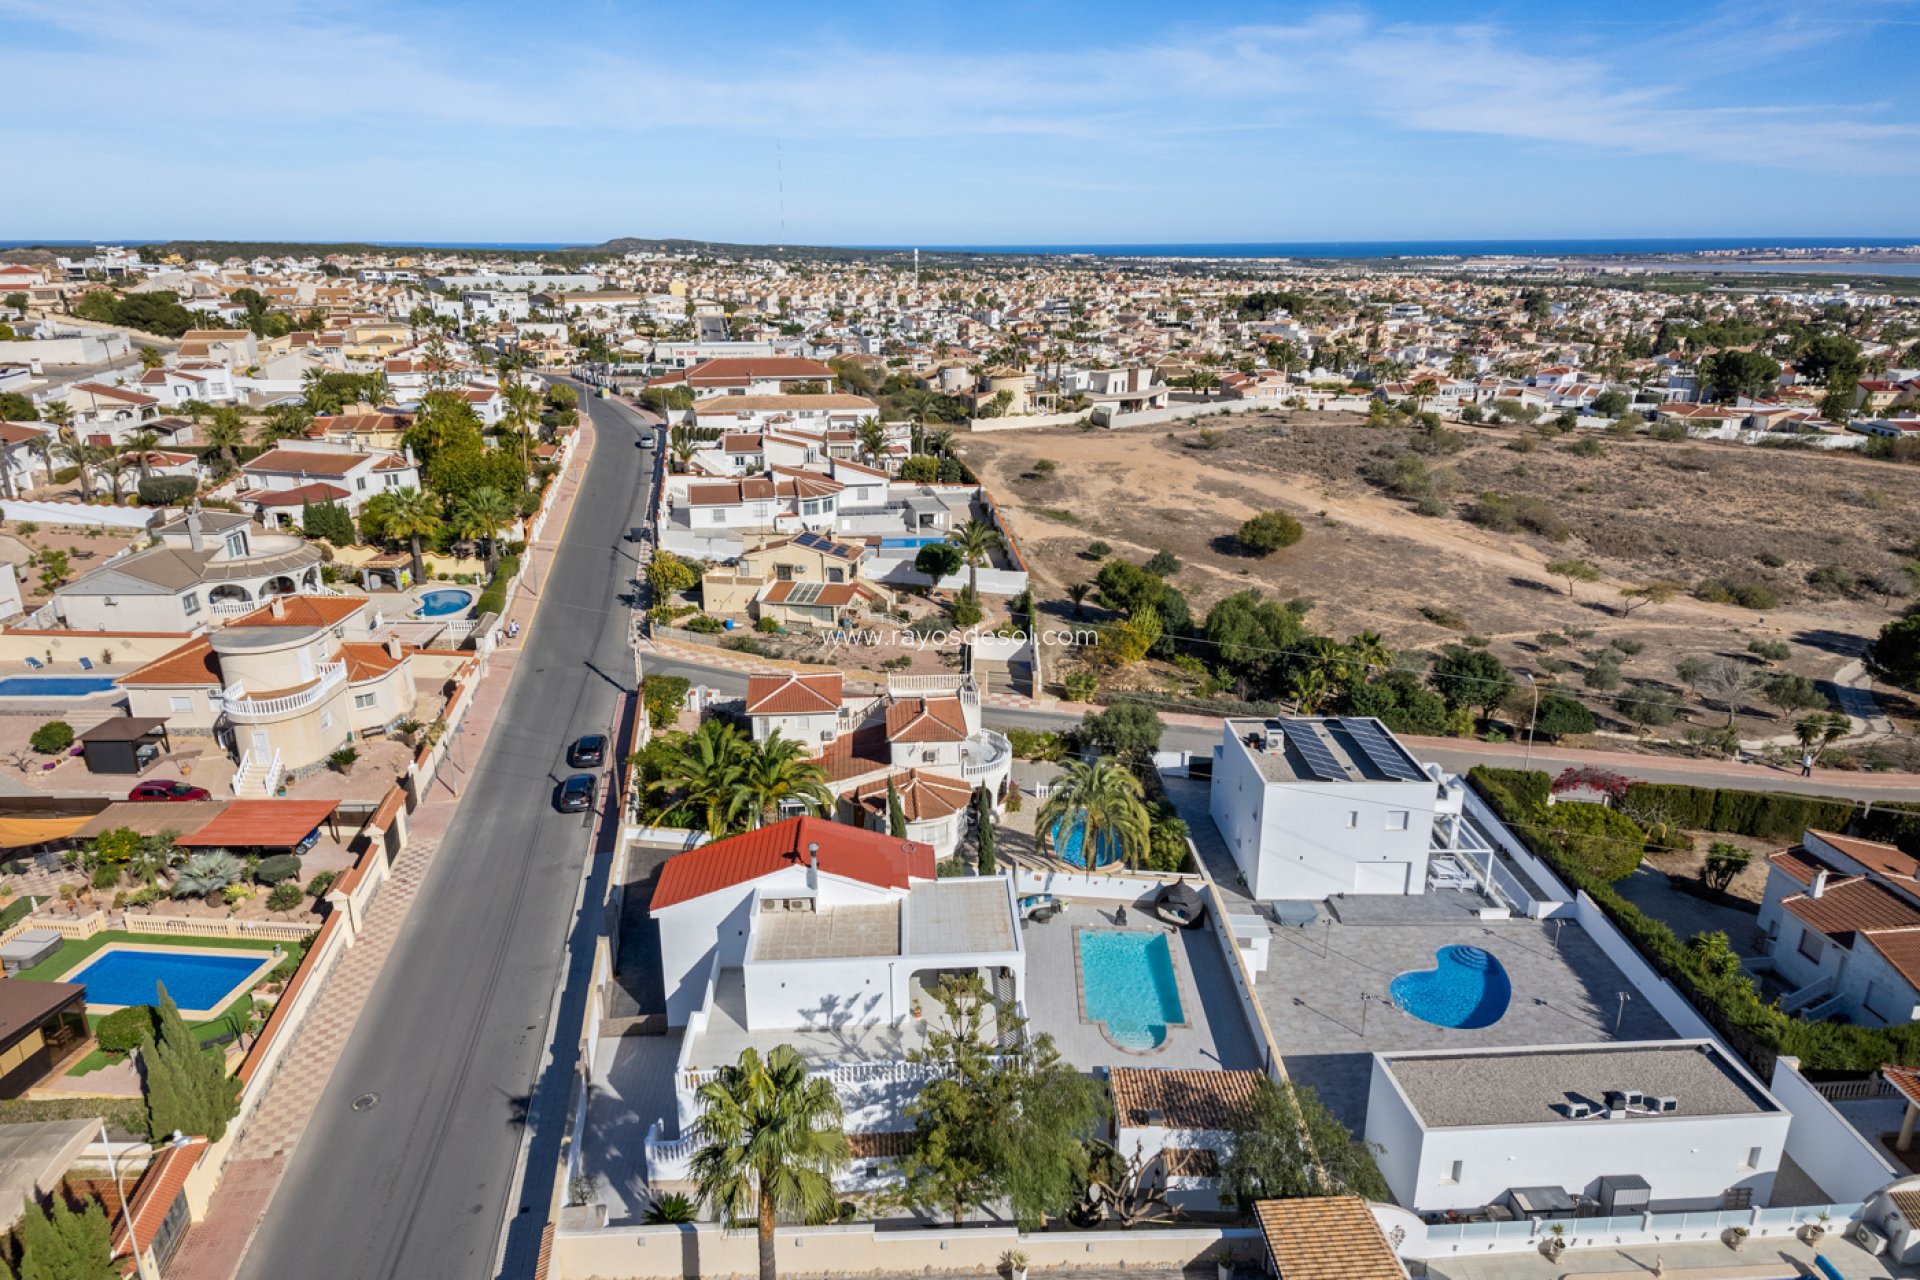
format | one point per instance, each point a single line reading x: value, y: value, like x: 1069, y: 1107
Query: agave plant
x: 206, y: 873
x: 670, y: 1209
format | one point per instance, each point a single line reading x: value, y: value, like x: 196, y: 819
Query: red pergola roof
x: 261, y: 824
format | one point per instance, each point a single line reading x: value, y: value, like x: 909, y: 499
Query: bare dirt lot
x: 1635, y: 509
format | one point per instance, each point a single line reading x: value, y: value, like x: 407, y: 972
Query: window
x: 1397, y: 820
x: 326, y: 719
x: 1812, y: 945
x: 179, y: 702
x: 360, y: 483
x: 1353, y: 819
x: 365, y: 701
x: 190, y: 603
x: 1753, y: 1158
x: 1453, y: 1174
x: 1876, y: 1001
x: 237, y: 545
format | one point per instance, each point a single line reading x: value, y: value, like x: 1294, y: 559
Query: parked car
x: 575, y: 794
x: 589, y: 752
x: 168, y: 789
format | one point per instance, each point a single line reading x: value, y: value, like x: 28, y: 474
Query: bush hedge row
x: 1727, y: 999
x: 494, y: 599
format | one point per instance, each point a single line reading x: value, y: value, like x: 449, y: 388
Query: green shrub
x: 280, y: 867
x: 494, y: 599
x: 52, y: 737
x: 705, y: 624
x: 1268, y: 532
x: 321, y: 884
x: 285, y: 896
x: 166, y: 491
x: 66, y: 475
x: 767, y: 625
x: 124, y: 1029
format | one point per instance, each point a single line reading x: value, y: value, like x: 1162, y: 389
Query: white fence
x: 1837, y: 1156
x: 1445, y: 1240
x: 77, y: 513
x: 1658, y: 992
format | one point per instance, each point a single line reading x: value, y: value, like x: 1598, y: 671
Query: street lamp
x: 1621, y: 1015
x: 1532, y: 716
x: 126, y: 1206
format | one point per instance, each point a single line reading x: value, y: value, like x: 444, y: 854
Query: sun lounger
x: 35, y: 663
x: 86, y: 664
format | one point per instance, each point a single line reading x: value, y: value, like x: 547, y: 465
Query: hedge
x: 1770, y: 815
x: 1727, y: 999
x: 494, y: 599
x: 124, y: 1115
x: 167, y: 491
x: 125, y: 1028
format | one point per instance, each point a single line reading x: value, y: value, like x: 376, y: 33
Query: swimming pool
x: 1466, y: 988
x: 911, y: 542
x: 1127, y: 982
x: 438, y: 604
x: 1067, y: 845
x: 53, y: 686
x: 200, y: 982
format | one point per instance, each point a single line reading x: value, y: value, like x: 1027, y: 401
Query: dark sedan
x: 575, y: 794
x: 589, y: 752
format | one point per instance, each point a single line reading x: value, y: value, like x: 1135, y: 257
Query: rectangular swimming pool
x: 53, y: 686
x: 1127, y: 983
x: 201, y: 983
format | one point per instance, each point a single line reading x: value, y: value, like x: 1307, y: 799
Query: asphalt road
x: 424, y: 1182
x: 1458, y: 758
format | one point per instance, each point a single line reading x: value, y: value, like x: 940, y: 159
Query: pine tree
x: 64, y: 1244
x: 896, y: 813
x: 983, y: 807
x: 188, y: 1089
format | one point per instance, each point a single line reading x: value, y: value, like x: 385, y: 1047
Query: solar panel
x: 1320, y: 759
x: 810, y: 540
x: 804, y: 593
x: 1380, y: 750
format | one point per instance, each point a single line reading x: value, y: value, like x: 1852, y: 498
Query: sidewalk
x: 214, y: 1247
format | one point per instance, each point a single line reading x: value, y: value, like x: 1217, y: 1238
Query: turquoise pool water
x: 53, y: 686
x: 195, y: 980
x: 1127, y: 982
x: 1068, y: 845
x: 911, y: 542
x: 1466, y: 988
x: 438, y: 604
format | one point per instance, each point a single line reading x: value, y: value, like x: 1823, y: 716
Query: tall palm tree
x: 778, y: 771
x: 770, y: 1143
x: 413, y: 515
x: 225, y: 433
x: 1077, y: 592
x: 286, y: 422
x: 44, y: 444
x: 1104, y: 800
x: 143, y: 442
x: 82, y: 455
x: 115, y: 469
x: 976, y: 539
x: 682, y: 447
x: 319, y: 395
x: 710, y: 774
x: 480, y: 515
x: 873, y: 439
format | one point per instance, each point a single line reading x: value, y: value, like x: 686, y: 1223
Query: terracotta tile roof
x: 1802, y: 864
x: 367, y: 661
x: 1901, y: 948
x: 923, y: 796
x: 1326, y: 1238
x: 848, y: 852
x: 793, y: 694
x: 1875, y: 856
x: 302, y: 611
x: 192, y: 663
x: 1189, y: 1162
x: 160, y: 1185
x: 857, y: 754
x: 261, y: 824
x: 1183, y: 1099
x: 1908, y: 1203
x: 748, y: 368
x: 1907, y: 1081
x: 307, y: 462
x: 1853, y: 906
x: 298, y: 496
x: 926, y: 720
x: 832, y: 400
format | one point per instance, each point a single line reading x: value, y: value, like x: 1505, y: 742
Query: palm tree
x: 480, y: 515
x: 976, y: 539
x: 150, y: 358
x: 205, y: 873
x: 1077, y: 592
x: 115, y: 469
x: 1104, y: 800
x: 286, y: 422
x: 938, y: 443
x: 143, y: 442
x: 682, y: 446
x: 873, y: 439
x: 770, y: 1143
x: 225, y: 434
x: 1204, y: 381
x: 82, y: 455
x: 44, y: 444
x: 319, y: 395
x: 710, y: 774
x: 413, y: 515
x: 778, y: 771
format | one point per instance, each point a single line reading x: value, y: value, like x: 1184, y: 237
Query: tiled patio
x: 632, y: 1087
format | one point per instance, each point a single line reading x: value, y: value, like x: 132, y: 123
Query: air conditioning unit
x: 1869, y: 1237
x: 1578, y: 1110
x: 1617, y: 1099
x: 1664, y: 1104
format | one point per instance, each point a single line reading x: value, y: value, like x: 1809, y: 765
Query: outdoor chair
x: 86, y: 664
x: 35, y: 663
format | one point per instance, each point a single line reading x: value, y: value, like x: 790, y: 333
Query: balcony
x: 984, y: 754
x: 243, y: 709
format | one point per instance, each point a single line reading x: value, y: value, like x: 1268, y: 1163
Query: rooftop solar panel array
x: 1380, y: 750
x: 1320, y: 759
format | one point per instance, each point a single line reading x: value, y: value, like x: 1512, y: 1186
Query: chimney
x: 194, y: 538
x: 393, y: 647
x: 278, y: 606
x: 1819, y: 886
x: 813, y: 865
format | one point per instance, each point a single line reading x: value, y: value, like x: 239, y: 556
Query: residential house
x: 282, y: 687
x: 209, y: 564
x: 749, y: 376
x: 1311, y: 806
x: 800, y: 708
x: 1840, y: 920
x: 25, y: 467
x: 755, y: 413
x: 206, y: 381
x: 105, y: 415
x: 280, y: 482
x: 361, y: 431
x: 1179, y: 1126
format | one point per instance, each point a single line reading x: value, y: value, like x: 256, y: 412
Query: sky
x: 902, y: 122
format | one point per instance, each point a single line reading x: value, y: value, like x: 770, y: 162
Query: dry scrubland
x: 1637, y: 510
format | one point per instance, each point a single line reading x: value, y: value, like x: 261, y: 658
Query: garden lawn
x: 75, y: 951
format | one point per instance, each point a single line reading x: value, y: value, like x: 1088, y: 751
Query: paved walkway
x: 214, y: 1247
x: 1706, y: 772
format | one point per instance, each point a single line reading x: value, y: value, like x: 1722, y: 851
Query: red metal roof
x: 160, y: 1185
x: 871, y: 857
x: 261, y: 824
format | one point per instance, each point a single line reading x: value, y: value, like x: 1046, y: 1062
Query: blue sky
x: 900, y: 122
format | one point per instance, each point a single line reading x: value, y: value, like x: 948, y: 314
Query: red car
x: 168, y: 789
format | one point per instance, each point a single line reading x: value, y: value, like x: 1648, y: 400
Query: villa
x: 208, y: 564
x: 1840, y: 925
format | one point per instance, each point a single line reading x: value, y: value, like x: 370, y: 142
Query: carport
x: 125, y: 744
x: 292, y: 825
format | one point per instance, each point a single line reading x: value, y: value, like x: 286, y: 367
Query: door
x: 1381, y: 877
x: 262, y: 749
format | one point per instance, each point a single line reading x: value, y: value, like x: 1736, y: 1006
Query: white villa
x: 1841, y: 925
